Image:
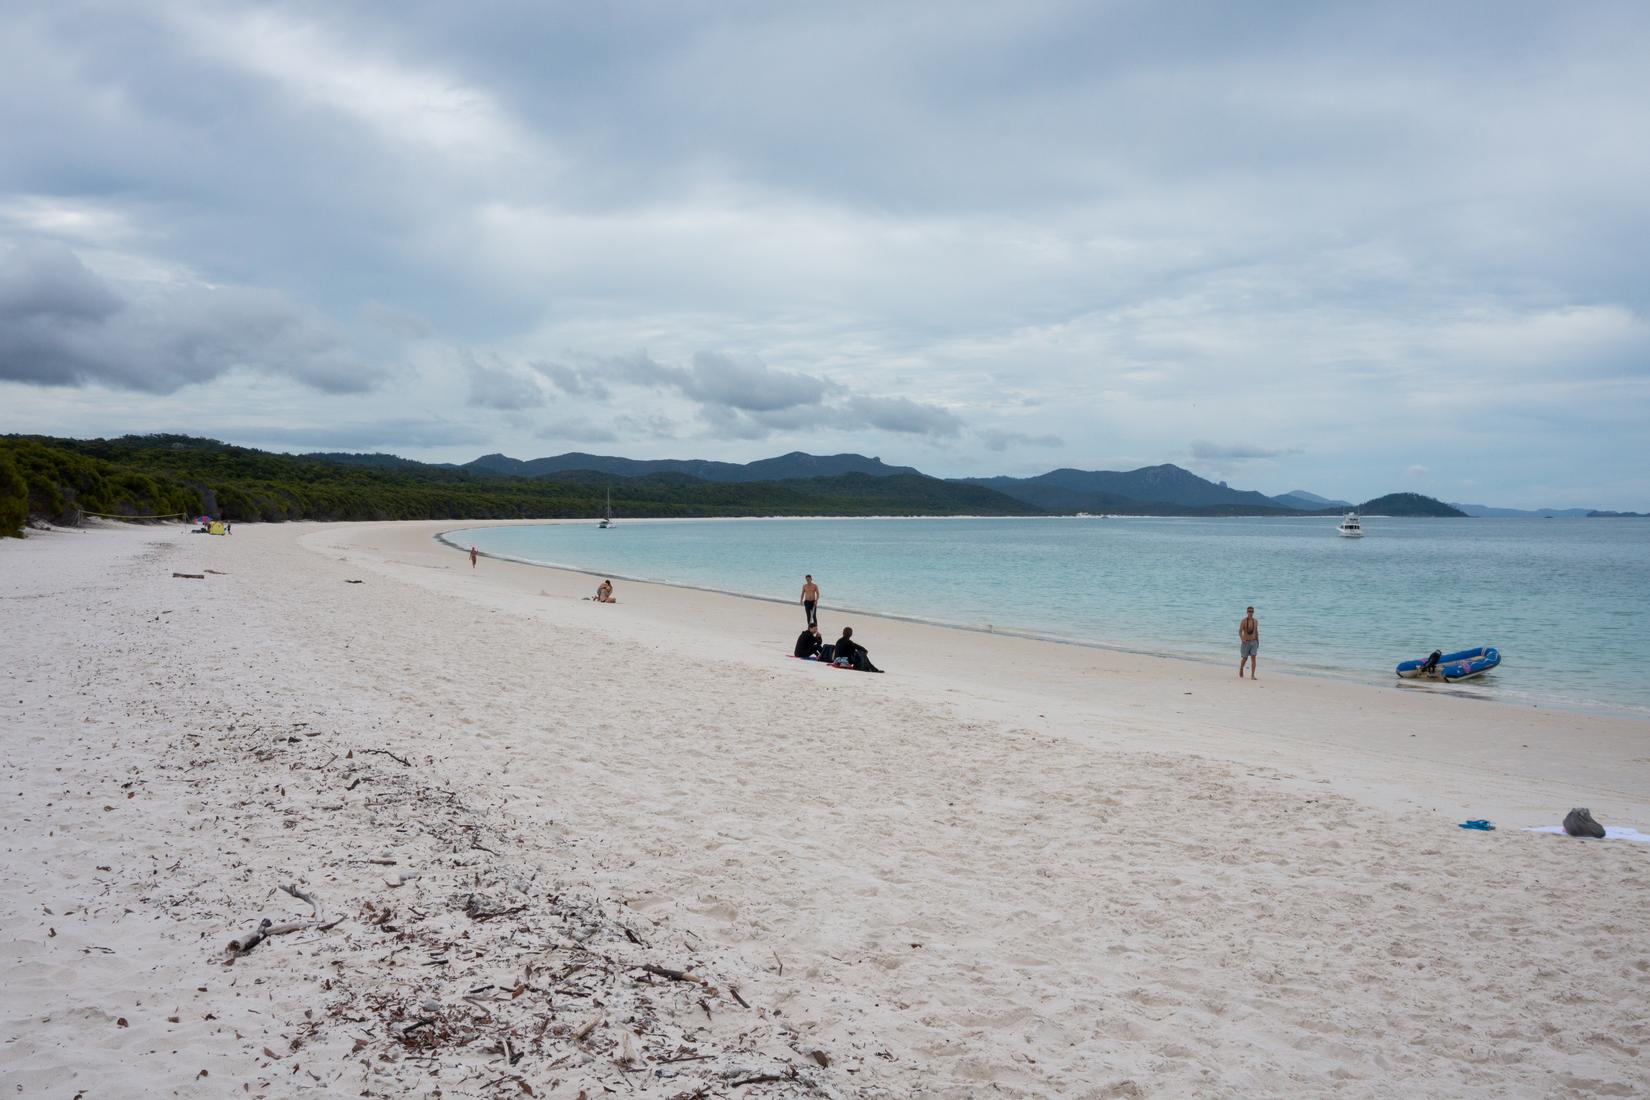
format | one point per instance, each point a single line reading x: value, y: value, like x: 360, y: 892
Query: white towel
x: 1611, y: 832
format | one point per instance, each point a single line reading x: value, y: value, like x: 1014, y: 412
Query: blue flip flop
x: 1478, y: 823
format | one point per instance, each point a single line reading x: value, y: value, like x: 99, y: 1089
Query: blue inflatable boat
x: 1462, y: 665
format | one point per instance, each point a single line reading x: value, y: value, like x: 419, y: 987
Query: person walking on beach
x: 1249, y: 645
x: 810, y: 599
x: 472, y: 557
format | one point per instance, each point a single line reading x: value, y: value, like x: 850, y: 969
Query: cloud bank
x: 1324, y: 246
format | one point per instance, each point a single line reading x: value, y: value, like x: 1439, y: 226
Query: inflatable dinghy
x: 1461, y: 665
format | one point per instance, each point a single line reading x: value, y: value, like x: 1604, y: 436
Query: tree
x: 14, y: 499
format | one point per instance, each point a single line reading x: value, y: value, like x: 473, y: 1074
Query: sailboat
x: 607, y: 516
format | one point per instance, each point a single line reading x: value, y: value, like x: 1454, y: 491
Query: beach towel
x: 1611, y: 832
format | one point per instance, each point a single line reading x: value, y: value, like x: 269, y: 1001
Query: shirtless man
x: 472, y: 557
x: 1249, y: 645
x: 810, y: 599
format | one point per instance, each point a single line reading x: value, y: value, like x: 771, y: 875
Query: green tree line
x: 60, y: 479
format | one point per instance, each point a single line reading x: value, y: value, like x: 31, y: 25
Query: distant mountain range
x: 1151, y: 490
x: 1311, y: 501
x: 1530, y: 513
x: 784, y: 468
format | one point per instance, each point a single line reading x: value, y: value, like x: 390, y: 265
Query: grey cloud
x: 1001, y: 441
x: 748, y: 384
x: 726, y: 423
x: 496, y: 385
x: 47, y: 282
x: 575, y: 431
x: 744, y: 398
x: 395, y: 432
x: 571, y: 380
x: 647, y: 427
x: 63, y: 325
x: 713, y: 379
x: 1237, y: 452
x: 898, y: 414
x: 400, y: 323
x: 641, y: 369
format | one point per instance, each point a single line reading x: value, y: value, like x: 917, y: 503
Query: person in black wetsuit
x: 809, y: 644
x: 856, y: 655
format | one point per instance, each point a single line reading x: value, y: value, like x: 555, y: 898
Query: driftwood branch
x: 673, y: 975
x: 191, y: 576
x: 759, y: 1079
x: 318, y: 922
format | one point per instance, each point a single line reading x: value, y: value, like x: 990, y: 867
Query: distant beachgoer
x: 228, y: 528
x: 850, y: 654
x: 1249, y: 645
x: 472, y: 557
x: 604, y: 593
x: 809, y: 643
x: 810, y: 599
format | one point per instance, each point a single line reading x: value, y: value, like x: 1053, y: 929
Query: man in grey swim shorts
x: 1249, y: 645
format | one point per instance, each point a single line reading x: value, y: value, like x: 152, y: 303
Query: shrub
x: 14, y: 499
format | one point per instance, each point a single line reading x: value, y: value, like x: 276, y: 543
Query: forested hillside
x: 59, y: 480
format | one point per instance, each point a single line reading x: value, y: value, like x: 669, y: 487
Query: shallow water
x: 1564, y: 600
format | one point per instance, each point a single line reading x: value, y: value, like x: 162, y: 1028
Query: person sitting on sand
x: 604, y: 593
x: 850, y: 654
x: 809, y: 645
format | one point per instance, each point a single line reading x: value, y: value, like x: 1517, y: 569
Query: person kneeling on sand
x: 809, y: 645
x: 850, y: 654
x: 604, y: 593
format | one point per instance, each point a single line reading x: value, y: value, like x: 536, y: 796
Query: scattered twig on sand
x: 191, y: 576
x: 759, y: 1079
x: 583, y: 1031
x: 476, y: 912
x: 402, y: 760
x: 674, y: 975
x: 733, y: 991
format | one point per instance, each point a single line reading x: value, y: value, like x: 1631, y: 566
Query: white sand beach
x: 1005, y: 868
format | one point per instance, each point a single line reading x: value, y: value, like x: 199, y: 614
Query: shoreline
x: 1332, y: 724
x: 1474, y: 692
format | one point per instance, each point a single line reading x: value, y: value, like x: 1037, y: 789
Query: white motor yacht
x: 1350, y: 528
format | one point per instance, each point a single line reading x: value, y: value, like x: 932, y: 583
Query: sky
x: 1347, y: 248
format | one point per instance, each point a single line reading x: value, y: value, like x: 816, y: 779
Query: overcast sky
x: 1347, y: 248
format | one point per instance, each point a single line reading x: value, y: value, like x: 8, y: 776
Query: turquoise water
x: 1564, y: 600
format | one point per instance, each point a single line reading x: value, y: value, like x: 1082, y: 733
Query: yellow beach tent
x: 215, y: 528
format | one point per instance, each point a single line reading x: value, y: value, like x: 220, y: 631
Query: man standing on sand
x: 810, y: 599
x: 1249, y: 645
x: 472, y: 557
